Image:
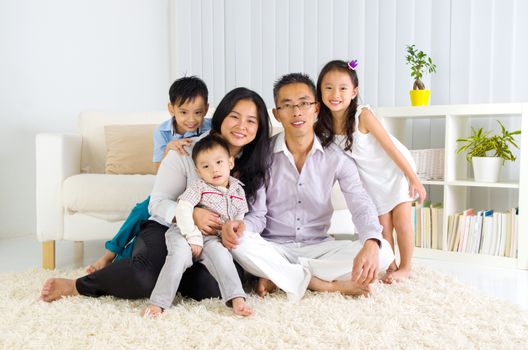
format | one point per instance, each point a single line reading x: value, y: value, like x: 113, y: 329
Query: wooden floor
x: 18, y: 254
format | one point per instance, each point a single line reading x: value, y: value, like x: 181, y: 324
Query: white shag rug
x: 430, y: 311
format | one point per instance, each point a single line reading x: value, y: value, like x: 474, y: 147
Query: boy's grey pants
x: 215, y: 257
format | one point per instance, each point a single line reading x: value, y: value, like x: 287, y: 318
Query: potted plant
x: 420, y: 63
x: 488, y: 152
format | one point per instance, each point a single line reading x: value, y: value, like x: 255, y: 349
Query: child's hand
x: 196, y: 250
x: 178, y: 146
x: 416, y: 188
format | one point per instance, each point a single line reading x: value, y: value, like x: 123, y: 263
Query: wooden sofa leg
x: 48, y: 255
x: 78, y: 253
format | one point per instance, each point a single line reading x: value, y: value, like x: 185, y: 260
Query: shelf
x: 440, y: 126
x: 470, y: 183
x: 482, y: 259
x: 433, y: 182
x: 440, y: 111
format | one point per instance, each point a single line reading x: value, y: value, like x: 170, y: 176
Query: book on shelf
x: 484, y: 232
x: 427, y: 220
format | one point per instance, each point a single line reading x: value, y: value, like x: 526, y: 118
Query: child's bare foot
x: 388, y: 274
x: 265, y: 286
x: 55, y: 288
x: 151, y: 311
x: 103, y: 261
x: 398, y: 275
x: 240, y: 308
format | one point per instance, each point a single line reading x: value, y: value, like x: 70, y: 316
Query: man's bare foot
x: 346, y: 287
x: 56, y: 288
x: 265, y: 286
x: 240, y: 308
x: 352, y: 288
x: 398, y: 275
x: 151, y: 311
x: 103, y: 261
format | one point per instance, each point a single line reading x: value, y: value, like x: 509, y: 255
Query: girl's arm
x: 369, y: 123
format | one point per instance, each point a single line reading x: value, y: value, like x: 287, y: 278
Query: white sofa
x: 77, y: 201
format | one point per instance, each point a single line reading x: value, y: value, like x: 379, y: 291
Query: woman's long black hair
x: 324, y: 128
x: 252, y: 167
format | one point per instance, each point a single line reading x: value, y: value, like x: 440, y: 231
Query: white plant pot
x: 486, y: 169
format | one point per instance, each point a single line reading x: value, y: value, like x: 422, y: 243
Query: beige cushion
x: 91, y: 127
x: 100, y: 194
x: 129, y: 149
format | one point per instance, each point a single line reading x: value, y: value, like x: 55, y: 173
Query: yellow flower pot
x: 420, y: 97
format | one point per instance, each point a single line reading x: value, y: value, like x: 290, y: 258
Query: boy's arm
x: 184, y: 220
x: 159, y: 146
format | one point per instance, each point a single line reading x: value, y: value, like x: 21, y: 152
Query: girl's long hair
x: 324, y: 128
x: 252, y: 167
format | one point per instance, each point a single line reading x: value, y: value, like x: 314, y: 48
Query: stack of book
x: 427, y: 225
x: 483, y: 232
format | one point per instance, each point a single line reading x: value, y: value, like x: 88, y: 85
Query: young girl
x: 385, y: 166
x: 188, y: 106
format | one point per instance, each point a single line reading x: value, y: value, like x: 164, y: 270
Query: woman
x: 242, y: 120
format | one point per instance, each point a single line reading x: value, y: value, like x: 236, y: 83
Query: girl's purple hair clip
x: 353, y: 64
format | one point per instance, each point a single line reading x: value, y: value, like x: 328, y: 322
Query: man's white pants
x: 291, y: 265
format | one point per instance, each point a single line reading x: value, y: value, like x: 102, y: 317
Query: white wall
x: 59, y: 57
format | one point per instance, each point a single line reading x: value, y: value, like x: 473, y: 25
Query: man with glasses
x: 292, y: 211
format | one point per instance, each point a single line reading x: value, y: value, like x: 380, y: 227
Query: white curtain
x: 479, y: 46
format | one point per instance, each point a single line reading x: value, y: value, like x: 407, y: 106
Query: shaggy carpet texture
x: 428, y: 311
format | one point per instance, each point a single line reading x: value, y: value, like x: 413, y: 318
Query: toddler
x: 217, y: 191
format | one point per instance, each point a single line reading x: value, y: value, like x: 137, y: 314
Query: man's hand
x: 231, y: 231
x: 365, y: 267
x: 196, y: 250
x: 208, y: 223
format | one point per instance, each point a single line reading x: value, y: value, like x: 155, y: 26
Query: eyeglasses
x: 303, y: 106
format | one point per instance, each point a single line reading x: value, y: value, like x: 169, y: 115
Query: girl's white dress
x: 382, y: 178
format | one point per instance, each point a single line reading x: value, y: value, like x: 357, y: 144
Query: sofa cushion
x: 91, y: 127
x: 129, y: 149
x: 109, y: 197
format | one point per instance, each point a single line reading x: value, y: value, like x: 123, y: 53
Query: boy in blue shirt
x: 188, y: 106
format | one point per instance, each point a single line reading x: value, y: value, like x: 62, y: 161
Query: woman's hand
x: 196, y: 250
x: 231, y: 231
x: 208, y: 222
x: 416, y: 188
x: 178, y: 146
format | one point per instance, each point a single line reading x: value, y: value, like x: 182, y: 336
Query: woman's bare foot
x: 398, y: 275
x: 56, y: 288
x: 265, y: 286
x: 240, y: 308
x: 151, y: 311
x: 103, y: 261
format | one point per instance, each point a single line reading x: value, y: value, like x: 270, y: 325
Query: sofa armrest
x: 58, y: 156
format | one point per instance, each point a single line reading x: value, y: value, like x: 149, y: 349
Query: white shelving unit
x: 458, y: 191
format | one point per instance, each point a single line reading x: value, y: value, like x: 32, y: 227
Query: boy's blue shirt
x: 164, y: 134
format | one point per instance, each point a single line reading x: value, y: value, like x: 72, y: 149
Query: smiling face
x: 240, y: 126
x: 213, y: 165
x: 337, y: 90
x: 297, y: 122
x: 189, y: 116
